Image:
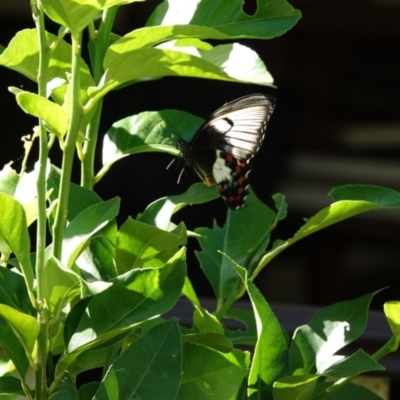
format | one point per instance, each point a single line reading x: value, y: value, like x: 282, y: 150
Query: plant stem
x: 75, y: 116
x: 101, y: 42
x: 41, y: 355
x: 43, y: 152
x: 41, y: 360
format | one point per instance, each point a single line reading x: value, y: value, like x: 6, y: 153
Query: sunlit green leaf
x: 299, y: 387
x: 330, y: 329
x: 51, y: 113
x: 228, y: 18
x: 14, y: 234
x: 84, y: 226
x: 231, y: 62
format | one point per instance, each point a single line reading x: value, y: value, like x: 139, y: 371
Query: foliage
x: 94, y: 296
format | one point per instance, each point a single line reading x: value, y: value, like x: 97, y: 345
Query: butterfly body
x: 222, y: 147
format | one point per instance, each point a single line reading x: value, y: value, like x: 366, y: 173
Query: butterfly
x: 222, y: 147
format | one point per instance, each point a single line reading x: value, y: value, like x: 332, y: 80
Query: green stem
x: 41, y: 355
x: 101, y: 42
x: 43, y: 155
x: 41, y: 360
x: 75, y: 116
x: 223, y: 308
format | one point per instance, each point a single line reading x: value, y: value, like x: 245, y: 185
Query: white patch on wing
x: 220, y: 170
x: 221, y: 125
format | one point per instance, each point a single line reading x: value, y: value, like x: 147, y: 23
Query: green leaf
x: 351, y: 200
x: 358, y: 363
x: 280, y: 205
x: 141, y: 294
x: 77, y: 14
x: 352, y: 391
x: 141, y: 245
x: 213, y: 340
x: 25, y: 326
x: 206, y: 322
x: 270, y: 360
x: 10, y: 385
x: 13, y: 347
x: 22, y: 187
x: 88, y: 391
x: 376, y: 195
x: 148, y: 131
x: 392, y: 312
x: 22, y: 55
x: 14, y: 235
x: 330, y: 329
x: 8, y: 180
x: 227, y: 17
x: 230, y: 62
x: 241, y: 244
x: 84, y: 226
x: 159, y: 213
x: 248, y: 336
x: 60, y: 285
x: 65, y: 389
x: 51, y: 113
x: 79, y: 198
x: 13, y: 284
x: 211, y: 375
x: 300, y: 387
x: 155, y: 372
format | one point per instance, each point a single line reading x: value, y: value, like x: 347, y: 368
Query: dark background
x: 337, y: 121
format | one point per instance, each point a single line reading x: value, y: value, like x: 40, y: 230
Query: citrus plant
x: 89, y: 294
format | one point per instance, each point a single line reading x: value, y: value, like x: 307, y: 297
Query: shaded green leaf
x: 13, y: 284
x: 156, y: 372
x: 65, y: 389
x: 247, y: 336
x: 211, y: 375
x: 141, y: 245
x: 351, y: 201
x: 241, y: 244
x: 10, y: 385
x: 352, y: 391
x: 134, y: 297
x: 213, y: 340
x: 13, y: 347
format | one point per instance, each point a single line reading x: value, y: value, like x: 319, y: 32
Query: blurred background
x: 337, y: 122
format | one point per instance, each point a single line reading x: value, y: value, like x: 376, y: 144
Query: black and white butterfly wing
x: 221, y: 149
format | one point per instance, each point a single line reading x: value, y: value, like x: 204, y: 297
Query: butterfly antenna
x: 170, y: 163
x: 180, y: 175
